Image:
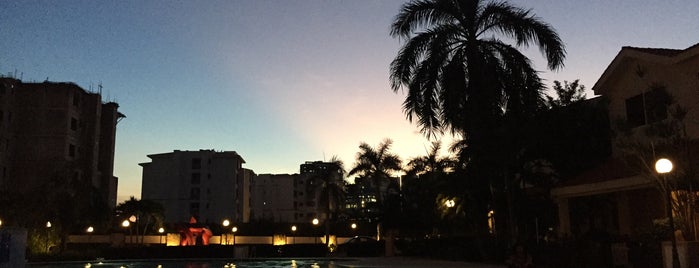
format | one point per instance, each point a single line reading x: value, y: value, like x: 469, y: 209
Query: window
x: 194, y: 209
x: 196, y: 163
x: 76, y: 99
x: 196, y: 178
x: 649, y: 107
x: 194, y: 194
x: 73, y: 124
x: 71, y: 150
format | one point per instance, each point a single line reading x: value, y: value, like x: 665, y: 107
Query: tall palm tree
x: 427, y: 177
x: 459, y: 74
x: 376, y: 165
x: 431, y: 163
x: 331, y: 191
x: 463, y: 72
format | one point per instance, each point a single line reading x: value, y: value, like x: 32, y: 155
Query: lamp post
x: 126, y: 224
x: 161, y: 230
x: 664, y: 166
x: 48, y: 227
x: 89, y: 231
x: 133, y: 219
x: 315, y: 235
x: 225, y: 223
x: 235, y: 229
x: 293, y: 237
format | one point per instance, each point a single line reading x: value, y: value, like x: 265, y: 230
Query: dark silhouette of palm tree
x: 464, y: 73
x: 458, y: 73
x: 376, y: 165
x: 431, y: 163
x: 331, y: 192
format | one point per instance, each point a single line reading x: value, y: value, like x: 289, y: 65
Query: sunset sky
x: 280, y: 81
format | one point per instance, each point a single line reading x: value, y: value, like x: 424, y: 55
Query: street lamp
x: 235, y: 229
x: 89, y: 231
x: 664, y: 166
x: 450, y: 203
x: 225, y: 223
x: 315, y: 223
x: 126, y: 224
x: 353, y: 226
x: 48, y: 226
x: 161, y: 230
x: 293, y: 230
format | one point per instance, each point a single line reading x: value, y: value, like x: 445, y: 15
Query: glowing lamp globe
x: 663, y: 165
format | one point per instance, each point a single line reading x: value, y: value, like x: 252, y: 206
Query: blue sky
x: 280, y: 82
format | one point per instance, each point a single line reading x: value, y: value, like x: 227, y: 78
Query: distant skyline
x: 279, y: 82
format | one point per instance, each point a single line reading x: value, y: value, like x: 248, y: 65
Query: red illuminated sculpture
x: 189, y: 234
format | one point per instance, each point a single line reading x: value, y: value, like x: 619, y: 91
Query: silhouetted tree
x: 377, y: 165
x: 147, y: 214
x: 425, y: 179
x: 461, y: 76
x: 566, y: 94
x: 666, y: 137
x: 331, y: 192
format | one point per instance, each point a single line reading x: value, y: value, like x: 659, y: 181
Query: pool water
x: 271, y: 263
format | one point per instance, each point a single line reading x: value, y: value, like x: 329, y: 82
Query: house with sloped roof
x: 614, y: 197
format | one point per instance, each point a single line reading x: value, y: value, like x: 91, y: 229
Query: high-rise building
x: 208, y: 185
x: 57, y: 135
x: 296, y: 197
x: 318, y: 182
x: 273, y: 197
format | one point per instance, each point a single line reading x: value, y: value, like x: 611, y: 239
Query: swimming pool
x: 264, y: 263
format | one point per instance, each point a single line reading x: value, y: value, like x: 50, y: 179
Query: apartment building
x: 273, y: 198
x: 643, y: 86
x: 208, y: 185
x: 57, y: 132
x: 296, y: 197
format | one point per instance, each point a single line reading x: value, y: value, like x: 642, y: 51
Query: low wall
x: 173, y: 239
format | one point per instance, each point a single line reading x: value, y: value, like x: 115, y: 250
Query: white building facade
x: 208, y: 185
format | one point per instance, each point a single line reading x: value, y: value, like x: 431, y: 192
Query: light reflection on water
x: 193, y: 264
